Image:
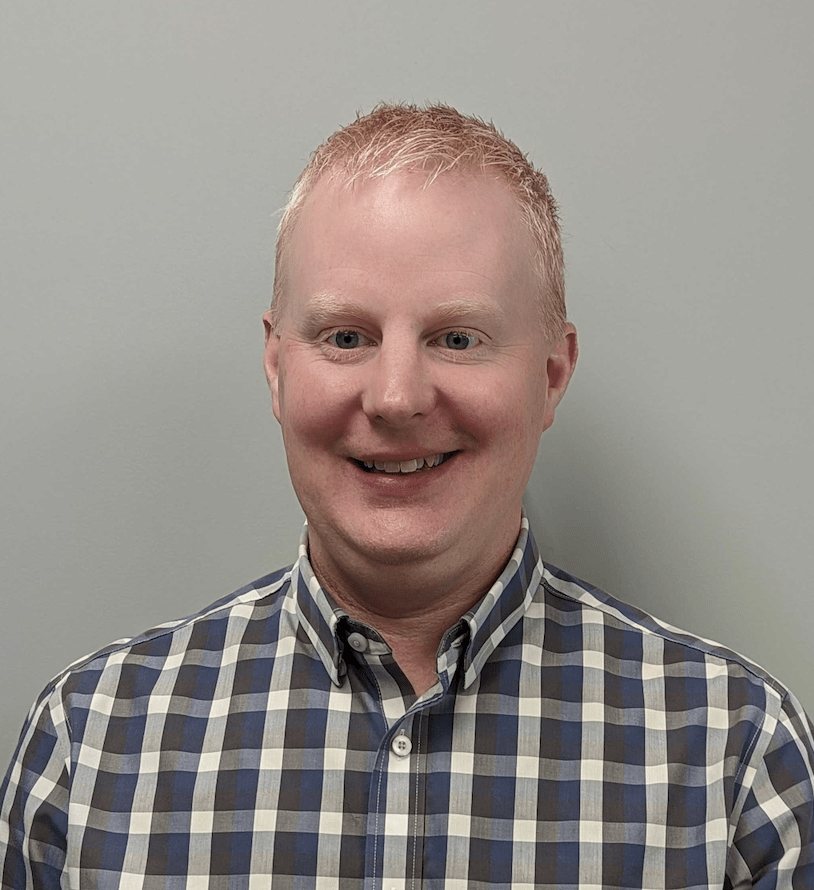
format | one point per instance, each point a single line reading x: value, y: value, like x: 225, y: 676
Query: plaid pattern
x: 271, y: 742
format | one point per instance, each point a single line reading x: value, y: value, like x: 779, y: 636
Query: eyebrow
x: 323, y: 308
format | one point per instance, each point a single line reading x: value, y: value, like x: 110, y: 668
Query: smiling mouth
x: 404, y: 467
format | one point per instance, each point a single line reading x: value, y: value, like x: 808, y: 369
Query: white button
x: 401, y: 746
x: 357, y: 642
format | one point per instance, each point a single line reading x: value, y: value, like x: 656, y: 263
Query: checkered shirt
x: 270, y: 741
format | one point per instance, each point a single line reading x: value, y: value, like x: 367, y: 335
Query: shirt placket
x: 396, y: 807
x: 394, y: 847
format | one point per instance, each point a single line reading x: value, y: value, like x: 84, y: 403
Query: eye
x: 345, y: 339
x: 460, y: 340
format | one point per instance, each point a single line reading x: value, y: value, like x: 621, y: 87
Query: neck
x: 410, y: 605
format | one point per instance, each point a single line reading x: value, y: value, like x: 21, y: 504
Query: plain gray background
x: 145, y: 148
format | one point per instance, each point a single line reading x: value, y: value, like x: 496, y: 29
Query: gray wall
x: 144, y: 149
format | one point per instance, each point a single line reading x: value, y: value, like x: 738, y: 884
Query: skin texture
x: 391, y: 269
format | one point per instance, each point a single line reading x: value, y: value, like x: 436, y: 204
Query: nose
x: 398, y: 385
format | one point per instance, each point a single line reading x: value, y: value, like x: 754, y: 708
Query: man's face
x: 410, y: 341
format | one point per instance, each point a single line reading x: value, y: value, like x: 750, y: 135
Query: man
x: 418, y: 701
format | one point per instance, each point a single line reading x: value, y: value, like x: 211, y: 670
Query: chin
x: 398, y: 550
x: 394, y: 555
x: 394, y: 540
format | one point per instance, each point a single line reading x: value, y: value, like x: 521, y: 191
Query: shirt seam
x: 149, y: 636
x: 750, y: 750
x: 729, y: 656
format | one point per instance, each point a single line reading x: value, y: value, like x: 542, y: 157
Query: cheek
x: 314, y: 406
x: 506, y: 408
x: 519, y: 443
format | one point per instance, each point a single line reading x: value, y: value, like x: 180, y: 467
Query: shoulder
x: 705, y: 700
x: 171, y: 642
x: 630, y: 635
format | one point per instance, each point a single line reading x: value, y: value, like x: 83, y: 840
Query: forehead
x: 399, y: 231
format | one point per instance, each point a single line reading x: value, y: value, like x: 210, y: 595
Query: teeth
x: 404, y: 466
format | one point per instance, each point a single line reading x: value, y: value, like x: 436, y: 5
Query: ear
x: 562, y: 359
x: 271, y: 362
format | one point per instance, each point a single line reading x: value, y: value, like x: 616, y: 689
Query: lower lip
x: 406, y: 481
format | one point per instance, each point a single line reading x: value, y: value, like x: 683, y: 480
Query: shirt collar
x: 488, y: 622
x: 504, y: 604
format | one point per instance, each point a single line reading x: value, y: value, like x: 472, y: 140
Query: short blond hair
x: 434, y: 139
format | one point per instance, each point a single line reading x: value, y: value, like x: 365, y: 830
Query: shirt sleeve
x: 34, y: 802
x: 773, y: 843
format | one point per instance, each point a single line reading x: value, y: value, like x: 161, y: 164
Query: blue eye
x: 345, y: 339
x: 459, y: 340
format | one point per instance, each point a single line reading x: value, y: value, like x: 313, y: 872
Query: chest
x: 334, y: 787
